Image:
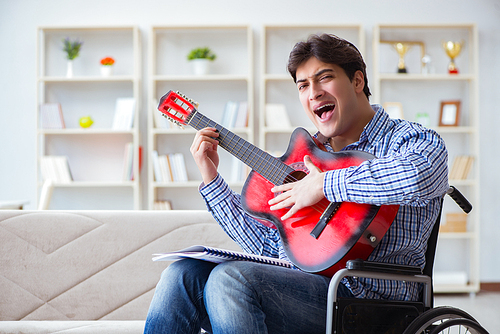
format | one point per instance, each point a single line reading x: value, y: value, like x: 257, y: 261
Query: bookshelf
x: 96, y: 155
x: 276, y: 85
x: 435, y: 84
x: 230, y: 79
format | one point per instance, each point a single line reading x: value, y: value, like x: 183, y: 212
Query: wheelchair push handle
x: 459, y: 199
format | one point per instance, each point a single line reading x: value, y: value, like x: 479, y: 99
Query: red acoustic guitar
x: 318, y: 239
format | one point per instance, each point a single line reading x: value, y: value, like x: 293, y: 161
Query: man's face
x: 328, y: 97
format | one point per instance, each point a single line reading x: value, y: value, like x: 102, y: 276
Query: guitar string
x: 271, y: 161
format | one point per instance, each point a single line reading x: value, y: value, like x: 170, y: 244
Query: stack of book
x: 169, y: 167
x: 55, y: 168
x: 235, y: 115
x: 162, y: 205
x: 461, y: 167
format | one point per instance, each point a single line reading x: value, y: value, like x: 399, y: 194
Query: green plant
x: 72, y: 48
x: 201, y: 53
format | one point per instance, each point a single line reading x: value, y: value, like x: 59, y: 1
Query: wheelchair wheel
x: 428, y: 320
x: 459, y: 325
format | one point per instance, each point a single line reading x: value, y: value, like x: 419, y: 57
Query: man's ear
x: 358, y: 81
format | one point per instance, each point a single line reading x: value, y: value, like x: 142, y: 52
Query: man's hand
x: 299, y: 194
x: 204, y: 151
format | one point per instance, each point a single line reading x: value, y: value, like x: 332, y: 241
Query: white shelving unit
x: 230, y: 79
x: 458, y: 252
x: 95, y: 154
x: 277, y: 86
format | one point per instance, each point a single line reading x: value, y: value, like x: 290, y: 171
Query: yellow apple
x: 86, y: 122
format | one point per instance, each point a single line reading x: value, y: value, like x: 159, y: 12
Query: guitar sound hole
x: 295, y: 176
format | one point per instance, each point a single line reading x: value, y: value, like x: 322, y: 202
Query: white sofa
x: 89, y: 271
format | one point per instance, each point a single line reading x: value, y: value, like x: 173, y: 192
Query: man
x: 410, y: 170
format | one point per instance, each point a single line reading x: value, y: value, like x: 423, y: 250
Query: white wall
x: 19, y: 19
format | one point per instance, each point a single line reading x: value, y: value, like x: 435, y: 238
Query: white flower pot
x: 69, y: 69
x: 201, y: 66
x: 106, y: 70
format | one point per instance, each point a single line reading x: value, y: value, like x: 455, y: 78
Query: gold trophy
x: 402, y: 49
x: 452, y: 50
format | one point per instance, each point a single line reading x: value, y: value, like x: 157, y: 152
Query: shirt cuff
x: 334, y: 185
x: 215, y: 191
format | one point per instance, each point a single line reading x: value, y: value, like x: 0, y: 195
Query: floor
x: 484, y: 306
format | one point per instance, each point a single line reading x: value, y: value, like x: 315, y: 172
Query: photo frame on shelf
x: 450, y: 113
x: 394, y: 109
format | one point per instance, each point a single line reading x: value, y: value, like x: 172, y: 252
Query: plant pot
x: 106, y: 70
x: 201, y: 66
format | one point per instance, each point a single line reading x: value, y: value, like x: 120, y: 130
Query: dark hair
x: 329, y: 49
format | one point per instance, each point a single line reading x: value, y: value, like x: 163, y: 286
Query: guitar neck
x: 271, y: 168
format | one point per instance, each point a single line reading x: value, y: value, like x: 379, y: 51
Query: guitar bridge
x: 324, y: 219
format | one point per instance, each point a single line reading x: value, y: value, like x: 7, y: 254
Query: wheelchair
x: 365, y: 316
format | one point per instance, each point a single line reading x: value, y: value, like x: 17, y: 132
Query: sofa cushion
x: 91, y: 265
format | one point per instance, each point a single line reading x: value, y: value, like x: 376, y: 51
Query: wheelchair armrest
x: 387, y: 268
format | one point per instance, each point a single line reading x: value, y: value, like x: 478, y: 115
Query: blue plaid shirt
x: 410, y: 170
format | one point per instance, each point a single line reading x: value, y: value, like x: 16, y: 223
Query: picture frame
x: 394, y: 109
x: 450, y: 113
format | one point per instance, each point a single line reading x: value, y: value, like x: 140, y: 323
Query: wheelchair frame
x: 424, y: 322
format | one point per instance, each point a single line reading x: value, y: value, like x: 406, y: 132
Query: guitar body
x: 353, y: 231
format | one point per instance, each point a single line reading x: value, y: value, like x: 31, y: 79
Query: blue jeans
x: 238, y: 297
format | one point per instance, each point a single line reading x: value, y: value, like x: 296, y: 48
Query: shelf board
x: 278, y: 77
x: 113, y: 78
x: 191, y: 184
x: 95, y: 184
x: 457, y: 235
x: 467, y: 182
x: 455, y: 129
x: 425, y: 77
x: 77, y: 131
x: 209, y: 77
x: 455, y: 288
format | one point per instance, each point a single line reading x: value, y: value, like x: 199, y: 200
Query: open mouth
x: 324, y: 109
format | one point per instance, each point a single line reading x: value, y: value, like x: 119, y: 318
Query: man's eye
x: 326, y: 77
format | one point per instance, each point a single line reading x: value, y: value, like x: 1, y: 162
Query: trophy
x: 452, y: 50
x: 402, y: 49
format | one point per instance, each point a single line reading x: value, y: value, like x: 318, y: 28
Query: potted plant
x: 200, y: 58
x: 72, y: 49
x: 107, y: 66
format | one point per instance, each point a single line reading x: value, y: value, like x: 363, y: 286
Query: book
x: 124, y: 113
x: 162, y: 205
x: 218, y: 255
x: 277, y: 117
x: 56, y: 169
x: 51, y: 116
x: 461, y: 167
x: 128, y: 162
x: 242, y: 116
x: 155, y: 158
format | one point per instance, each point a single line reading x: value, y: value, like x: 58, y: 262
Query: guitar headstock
x: 177, y: 107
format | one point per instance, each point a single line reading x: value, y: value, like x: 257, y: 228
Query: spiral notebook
x: 218, y: 255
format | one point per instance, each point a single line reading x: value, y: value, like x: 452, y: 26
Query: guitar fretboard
x: 271, y: 168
